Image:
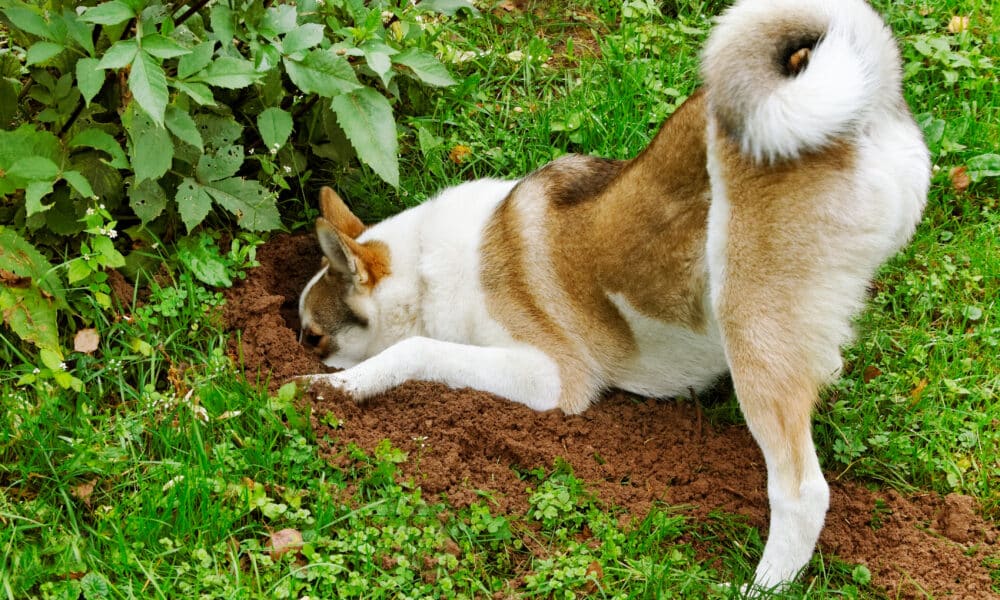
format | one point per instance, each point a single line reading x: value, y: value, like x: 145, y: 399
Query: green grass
x: 134, y: 488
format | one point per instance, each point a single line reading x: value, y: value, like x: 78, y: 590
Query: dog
x: 741, y: 240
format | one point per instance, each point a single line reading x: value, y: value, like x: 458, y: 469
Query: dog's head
x: 336, y: 306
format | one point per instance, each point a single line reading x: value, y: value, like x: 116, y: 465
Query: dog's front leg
x: 522, y: 374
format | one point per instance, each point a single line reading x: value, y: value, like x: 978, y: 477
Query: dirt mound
x: 633, y: 452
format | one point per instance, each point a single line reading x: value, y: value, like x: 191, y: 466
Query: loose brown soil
x: 632, y: 452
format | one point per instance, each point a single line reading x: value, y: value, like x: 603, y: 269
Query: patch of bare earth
x: 632, y: 452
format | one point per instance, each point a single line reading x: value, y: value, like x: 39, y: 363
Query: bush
x: 156, y: 115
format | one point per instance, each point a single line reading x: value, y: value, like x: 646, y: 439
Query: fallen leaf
x: 594, y: 576
x: 960, y: 179
x: 871, y: 372
x: 284, y: 541
x: 83, y: 491
x: 918, y: 390
x: 459, y: 153
x: 958, y: 24
x: 86, y: 341
x: 507, y: 6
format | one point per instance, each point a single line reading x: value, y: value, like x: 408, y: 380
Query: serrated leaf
x: 79, y: 183
x: 425, y: 66
x: 147, y: 199
x: 108, y: 13
x: 196, y: 60
x: 162, y: 47
x: 95, y: 586
x: 379, y: 59
x: 218, y: 131
x: 223, y: 163
x: 34, y: 168
x: 275, y: 126
x: 89, y: 78
x: 448, y: 7
x: 82, y: 33
x: 322, y: 72
x: 201, y: 256
x: 103, y: 141
x: 193, y: 202
x: 28, y: 19
x: 279, y: 19
x: 229, y: 72
x: 221, y: 19
x: 105, y: 248
x: 33, y: 194
x: 302, y: 37
x: 119, y: 55
x: 148, y: 84
x: 199, y: 92
x: 151, y: 148
x: 180, y: 123
x: 39, y: 52
x: 366, y: 118
x: 18, y: 256
x: 31, y: 316
x: 255, y: 208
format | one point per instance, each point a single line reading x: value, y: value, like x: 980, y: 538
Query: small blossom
x: 112, y: 233
x: 288, y: 169
x: 36, y: 371
x: 62, y: 366
x: 90, y: 212
x: 173, y: 482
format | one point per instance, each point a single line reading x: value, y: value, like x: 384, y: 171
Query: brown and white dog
x: 741, y: 240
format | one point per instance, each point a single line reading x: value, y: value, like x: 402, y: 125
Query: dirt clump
x: 632, y: 452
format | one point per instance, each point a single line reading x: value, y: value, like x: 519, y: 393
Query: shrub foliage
x: 159, y: 115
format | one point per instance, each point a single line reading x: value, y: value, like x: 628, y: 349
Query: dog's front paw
x: 360, y: 383
x: 336, y: 381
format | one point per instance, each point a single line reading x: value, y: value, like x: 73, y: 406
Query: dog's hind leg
x: 777, y: 399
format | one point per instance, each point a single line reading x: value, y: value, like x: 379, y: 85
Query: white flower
x: 111, y: 233
x: 288, y: 169
x: 173, y: 482
x: 90, y: 212
x: 36, y: 371
x: 62, y: 366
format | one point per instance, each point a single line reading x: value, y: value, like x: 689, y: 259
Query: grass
x: 136, y: 488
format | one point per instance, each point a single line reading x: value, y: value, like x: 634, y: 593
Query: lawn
x: 168, y: 473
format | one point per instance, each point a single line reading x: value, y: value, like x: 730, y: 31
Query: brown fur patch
x: 634, y: 228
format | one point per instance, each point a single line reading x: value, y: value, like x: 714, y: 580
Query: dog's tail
x: 789, y: 76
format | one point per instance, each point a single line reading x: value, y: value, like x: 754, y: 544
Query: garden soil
x: 632, y: 452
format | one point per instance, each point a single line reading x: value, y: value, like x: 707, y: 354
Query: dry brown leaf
x: 958, y: 24
x: 284, y: 541
x: 86, y: 341
x: 83, y: 491
x: 871, y: 372
x: 960, y: 179
x: 459, y: 153
x: 918, y: 390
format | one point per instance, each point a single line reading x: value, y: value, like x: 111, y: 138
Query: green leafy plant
x: 163, y: 116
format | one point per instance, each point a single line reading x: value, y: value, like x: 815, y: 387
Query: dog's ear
x: 337, y: 214
x: 365, y: 263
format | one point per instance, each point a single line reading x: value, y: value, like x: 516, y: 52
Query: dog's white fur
x: 431, y: 316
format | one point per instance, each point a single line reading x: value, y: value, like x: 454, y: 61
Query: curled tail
x: 791, y: 76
